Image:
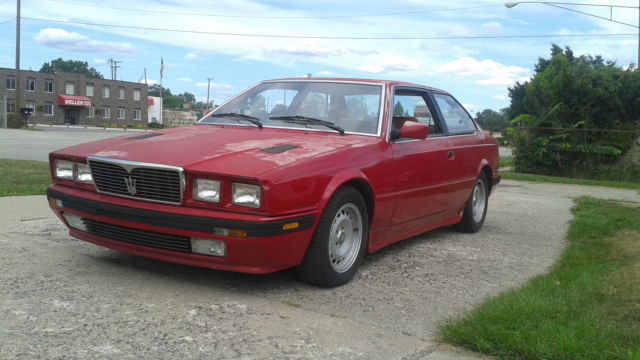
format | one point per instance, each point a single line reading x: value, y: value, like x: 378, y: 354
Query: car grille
x: 138, y: 181
x: 139, y: 237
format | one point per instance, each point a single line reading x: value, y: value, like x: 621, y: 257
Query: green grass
x: 562, y: 180
x: 587, y: 307
x: 22, y: 177
x: 506, y: 161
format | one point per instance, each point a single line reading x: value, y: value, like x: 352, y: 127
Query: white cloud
x: 325, y: 73
x: 492, y: 27
x: 490, y: 72
x: 390, y: 64
x: 192, y: 56
x: 99, y: 61
x: 184, y: 79
x: 75, y: 42
x: 500, y: 97
x: 150, y: 82
x: 307, y: 49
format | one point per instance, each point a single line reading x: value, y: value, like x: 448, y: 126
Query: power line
x: 279, y: 17
x: 7, y: 21
x: 328, y: 37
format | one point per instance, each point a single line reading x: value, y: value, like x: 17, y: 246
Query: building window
x: 121, y: 113
x: 89, y: 91
x: 11, y: 107
x: 120, y: 92
x: 48, y: 86
x: 136, y: 115
x: 136, y: 94
x: 106, y: 112
x: 70, y: 88
x: 106, y: 91
x: 30, y: 84
x: 48, y: 108
x: 11, y: 83
x: 89, y: 111
x: 32, y: 106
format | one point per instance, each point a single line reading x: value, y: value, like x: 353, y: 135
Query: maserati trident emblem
x: 131, y: 185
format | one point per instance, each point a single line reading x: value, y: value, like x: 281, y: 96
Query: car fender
x: 338, y: 181
x: 483, y: 163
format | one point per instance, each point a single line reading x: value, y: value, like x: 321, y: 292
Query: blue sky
x: 477, y: 71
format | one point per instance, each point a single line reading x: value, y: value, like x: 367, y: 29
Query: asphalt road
x: 37, y: 144
x: 61, y: 298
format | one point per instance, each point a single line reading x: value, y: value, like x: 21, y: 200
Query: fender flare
x: 338, y: 181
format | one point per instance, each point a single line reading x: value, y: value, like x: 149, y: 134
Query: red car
x: 306, y: 173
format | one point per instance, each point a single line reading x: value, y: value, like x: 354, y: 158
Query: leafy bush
x: 576, y: 116
x: 155, y: 126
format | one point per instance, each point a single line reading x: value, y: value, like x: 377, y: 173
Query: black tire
x: 343, y: 227
x: 472, y: 220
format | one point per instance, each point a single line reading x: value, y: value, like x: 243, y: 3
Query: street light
x: 510, y: 5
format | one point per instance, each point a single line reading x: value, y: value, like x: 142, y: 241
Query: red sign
x: 70, y: 100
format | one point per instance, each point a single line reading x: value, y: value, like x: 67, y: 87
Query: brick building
x: 67, y: 98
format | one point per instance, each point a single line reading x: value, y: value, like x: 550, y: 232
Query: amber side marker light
x: 55, y: 203
x: 291, y: 226
x: 240, y: 234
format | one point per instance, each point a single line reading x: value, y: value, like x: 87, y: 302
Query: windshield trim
x: 380, y: 113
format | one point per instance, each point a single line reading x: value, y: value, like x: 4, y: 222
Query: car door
x: 423, y: 169
x: 465, y: 147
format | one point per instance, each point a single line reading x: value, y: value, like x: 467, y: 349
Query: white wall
x: 155, y: 110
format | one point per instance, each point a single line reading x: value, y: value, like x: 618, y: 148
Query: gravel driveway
x: 63, y: 298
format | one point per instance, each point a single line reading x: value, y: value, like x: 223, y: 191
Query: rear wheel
x: 337, y: 247
x: 475, y: 209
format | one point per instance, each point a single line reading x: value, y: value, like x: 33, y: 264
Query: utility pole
x: 208, y: 91
x: 16, y: 111
x: 114, y: 68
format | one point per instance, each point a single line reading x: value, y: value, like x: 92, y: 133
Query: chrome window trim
x: 380, y: 114
x: 128, y: 166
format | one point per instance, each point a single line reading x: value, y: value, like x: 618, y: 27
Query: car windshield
x: 352, y: 107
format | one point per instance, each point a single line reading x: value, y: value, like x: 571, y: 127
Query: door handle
x: 450, y: 155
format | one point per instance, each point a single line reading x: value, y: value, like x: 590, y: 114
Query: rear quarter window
x: 454, y: 116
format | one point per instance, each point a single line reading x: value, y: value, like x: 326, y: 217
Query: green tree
x: 492, y: 120
x: 171, y: 101
x: 398, y: 109
x: 569, y: 92
x: 70, y: 66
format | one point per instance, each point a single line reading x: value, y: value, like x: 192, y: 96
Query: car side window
x: 455, y: 117
x: 411, y: 106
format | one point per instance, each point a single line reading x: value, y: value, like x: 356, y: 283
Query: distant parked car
x: 306, y: 173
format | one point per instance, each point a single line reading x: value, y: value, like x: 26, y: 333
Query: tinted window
x: 456, y: 118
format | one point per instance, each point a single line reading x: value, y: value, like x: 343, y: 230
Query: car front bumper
x: 163, y: 232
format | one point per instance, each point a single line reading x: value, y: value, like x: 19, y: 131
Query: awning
x: 150, y: 101
x: 71, y: 100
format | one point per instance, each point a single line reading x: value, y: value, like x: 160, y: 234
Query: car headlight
x: 82, y: 174
x: 206, y: 190
x: 64, y: 169
x: 246, y: 195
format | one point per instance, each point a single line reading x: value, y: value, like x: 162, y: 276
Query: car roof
x: 372, y: 81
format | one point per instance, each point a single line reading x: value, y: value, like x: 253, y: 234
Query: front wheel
x: 337, y: 247
x: 475, y: 209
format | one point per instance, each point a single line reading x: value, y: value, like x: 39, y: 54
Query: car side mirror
x: 411, y: 130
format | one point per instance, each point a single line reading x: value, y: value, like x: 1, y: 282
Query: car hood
x: 232, y: 150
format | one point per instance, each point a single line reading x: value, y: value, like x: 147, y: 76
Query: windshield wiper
x: 308, y: 120
x: 252, y: 119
